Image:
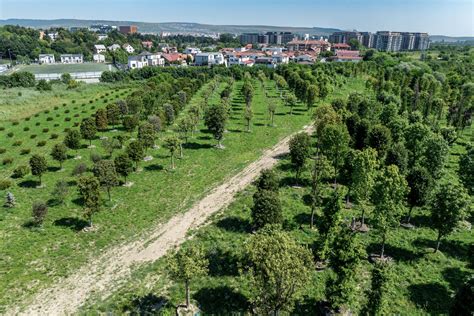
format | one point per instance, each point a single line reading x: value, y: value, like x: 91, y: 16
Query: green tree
x: 130, y: 123
x: 450, y: 203
x: 420, y: 183
x: 380, y: 285
x: 187, y: 264
x: 268, y: 180
x: 136, y: 152
x: 463, y: 304
x: 415, y: 140
x: 173, y: 144
x: 105, y: 172
x: 330, y: 222
x: 334, y: 143
x: 101, y: 120
x: 379, y: 138
x: 146, y: 135
x: 300, y: 149
x: 266, y: 209
x: 110, y: 144
x: 248, y: 115
x: 388, y: 197
x: 38, y: 166
x: 60, y: 191
x: 59, y: 153
x: 88, y: 129
x: 435, y: 156
x: 39, y: 211
x: 271, y: 107
x: 123, y: 165
x: 113, y: 114
x: 291, y: 101
x: 466, y: 169
x: 89, y: 191
x: 72, y: 140
x: 324, y: 115
x: 397, y: 155
x: 279, y: 270
x: 312, y: 93
x: 215, y: 120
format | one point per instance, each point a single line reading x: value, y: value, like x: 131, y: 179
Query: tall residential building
x: 345, y: 37
x: 272, y: 38
x: 408, y: 41
x: 388, y: 41
x: 249, y: 38
x: 128, y: 29
x: 422, y: 41
x: 368, y: 39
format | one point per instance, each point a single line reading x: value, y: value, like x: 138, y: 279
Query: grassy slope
x: 34, y: 258
x: 423, y: 282
x: 62, y: 68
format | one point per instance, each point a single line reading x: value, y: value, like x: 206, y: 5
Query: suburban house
x: 113, y: 47
x: 102, y: 37
x: 207, y: 59
x: 342, y: 46
x: 305, y: 59
x: 347, y: 55
x: 281, y: 59
x: 266, y: 61
x: 192, y: 51
x: 98, y: 58
x: 53, y: 35
x: 145, y: 59
x: 301, y: 45
x: 128, y: 48
x: 137, y: 62
x: 100, y: 49
x: 175, y: 58
x: 147, y: 44
x: 72, y: 58
x: 46, y: 59
x: 240, y: 61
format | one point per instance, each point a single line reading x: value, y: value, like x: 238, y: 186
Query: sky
x: 438, y: 17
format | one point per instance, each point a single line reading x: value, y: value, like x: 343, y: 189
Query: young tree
x: 291, y: 101
x: 363, y: 178
x: 449, y: 205
x: 279, y: 270
x: 101, y: 121
x: 271, y: 107
x: 60, y: 192
x: 320, y: 170
x: 169, y: 113
x: 156, y: 122
x: 380, y: 284
x: 38, y: 166
x: 267, y: 180
x: 330, y: 222
x: 435, y: 156
x: 466, y: 169
x: 110, y: 144
x: 397, y: 155
x: 123, y: 165
x: 334, y: 143
x: 88, y: 129
x: 130, y: 123
x: 105, y: 172
x: 266, y: 209
x: 324, y: 115
x: 187, y: 264
x: 300, y: 149
x: 173, y: 144
x: 248, y: 115
x: 345, y: 258
x: 388, y: 197
x: 146, y: 135
x: 39, y: 211
x: 113, y: 114
x: 420, y: 183
x: 89, y: 191
x: 215, y: 120
x: 59, y: 153
x: 72, y: 140
x: 380, y: 139
x: 136, y: 152
x: 10, y: 201
x: 312, y: 93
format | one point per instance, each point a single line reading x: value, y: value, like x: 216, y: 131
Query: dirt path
x: 101, y: 275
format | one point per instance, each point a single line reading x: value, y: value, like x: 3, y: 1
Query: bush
x: 25, y: 151
x: 37, y: 115
x: 39, y: 211
x: 10, y: 134
x: 20, y: 94
x: 76, y: 124
x: 67, y: 119
x: 58, y: 115
x: 83, y: 104
x: 64, y: 104
x: 54, y: 136
x: 37, y: 123
x: 49, y: 119
x: 95, y: 157
x: 93, y: 107
x: 17, y: 143
x: 79, y: 169
x: 91, y: 101
x: 7, y: 161
x: 2, y: 128
x: 3, y: 150
x: 26, y: 129
x: 67, y: 111
x: 56, y: 124
x: 41, y: 143
x: 33, y: 136
x: 56, y: 107
x: 76, y: 115
x: 14, y: 123
x: 45, y: 130
x: 27, y: 119
x: 5, y: 184
x: 20, y: 172
x: 66, y: 130
x: 46, y: 112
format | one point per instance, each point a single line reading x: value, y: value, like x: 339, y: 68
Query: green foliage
x: 59, y: 153
x: 381, y: 276
x: 435, y: 156
x: 215, y: 120
x: 466, y: 169
x: 60, y: 192
x: 146, y: 135
x: 463, y: 303
x: 420, y: 183
x: 113, y: 114
x: 89, y: 190
x: 266, y: 209
x: 38, y: 166
x: 105, y: 172
x: 39, y: 211
x: 123, y: 165
x: 173, y: 144
x: 101, y: 119
x: 20, y: 172
x: 300, y: 146
x: 43, y: 85
x: 334, y: 143
x: 267, y: 180
x: 88, y: 129
x: 136, y: 152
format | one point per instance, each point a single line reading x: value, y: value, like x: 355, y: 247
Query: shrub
x: 7, y: 161
x: 56, y: 107
x: 67, y: 111
x: 60, y: 192
x: 5, y: 184
x: 83, y: 111
x: 46, y: 112
x: 20, y: 94
x: 73, y: 101
x: 10, y: 134
x: 66, y: 130
x: 17, y: 143
x: 76, y: 124
x: 45, y: 130
x: 3, y: 150
x: 90, y: 101
x: 2, y: 128
x: 41, y: 143
x: 79, y: 169
x: 14, y: 123
x: 64, y: 104
x: 26, y: 129
x: 39, y: 211
x: 33, y: 136
x: 76, y: 115
x: 37, y: 115
x: 27, y: 119
x: 49, y: 119
x: 25, y: 151
x: 54, y: 136
x: 56, y: 124
x: 58, y: 115
x: 83, y: 104
x: 67, y: 119
x: 20, y: 172
x: 95, y: 157
x: 93, y: 107
x: 37, y: 123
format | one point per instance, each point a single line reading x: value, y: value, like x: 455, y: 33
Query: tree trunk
x: 172, y: 161
x: 438, y: 242
x: 181, y: 151
x: 108, y: 192
x: 273, y: 116
x: 90, y: 220
x: 383, y: 247
x: 362, y: 221
x: 313, y: 211
x: 409, y: 214
x: 187, y: 294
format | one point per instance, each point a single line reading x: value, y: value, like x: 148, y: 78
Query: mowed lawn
x: 33, y: 258
x: 65, y: 68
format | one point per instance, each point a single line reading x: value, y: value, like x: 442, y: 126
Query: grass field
x: 35, y: 257
x: 423, y: 282
x: 65, y: 68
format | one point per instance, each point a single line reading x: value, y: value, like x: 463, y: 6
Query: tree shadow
x: 397, y: 253
x: 73, y: 223
x: 308, y: 306
x: 28, y: 184
x: 421, y: 220
x: 29, y: 224
x: 259, y: 124
x: 195, y: 146
x: 434, y: 298
x: 235, y: 130
x: 455, y: 277
x: 235, y: 224
x: 205, y: 137
x: 222, y: 262
x: 221, y: 300
x: 53, y: 168
x: 303, y: 218
x: 149, y: 304
x: 78, y: 201
x: 452, y: 248
x: 154, y: 167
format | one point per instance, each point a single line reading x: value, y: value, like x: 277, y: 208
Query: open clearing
x: 65, y: 68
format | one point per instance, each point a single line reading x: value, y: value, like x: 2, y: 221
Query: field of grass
x: 65, y: 68
x: 32, y: 258
x: 422, y: 282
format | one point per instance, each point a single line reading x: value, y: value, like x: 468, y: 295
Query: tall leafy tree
x: 334, y: 143
x: 300, y: 149
x: 324, y: 115
x: 72, y: 140
x: 291, y: 101
x: 330, y: 222
x: 146, y: 135
x: 380, y: 139
x: 172, y: 143
x: 466, y: 169
x: 113, y: 114
x: 38, y: 166
x: 278, y: 270
x: 106, y: 173
x: 379, y: 287
x: 268, y: 180
x: 130, y: 123
x: 436, y: 154
x: 123, y: 165
x: 420, y: 183
x: 89, y: 191
x: 59, y: 153
x: 101, y: 121
x: 312, y: 93
x: 88, y: 129
x: 215, y: 120
x: 266, y: 209
x: 136, y: 152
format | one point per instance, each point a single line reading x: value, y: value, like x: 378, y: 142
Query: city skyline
x: 437, y: 17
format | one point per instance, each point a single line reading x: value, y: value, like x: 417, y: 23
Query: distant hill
x: 451, y: 39
x: 146, y: 27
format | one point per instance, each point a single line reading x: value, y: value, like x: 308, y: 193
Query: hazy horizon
x: 437, y: 17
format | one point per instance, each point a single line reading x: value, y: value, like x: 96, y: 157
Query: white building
x: 145, y: 59
x: 113, y: 47
x: 192, y: 51
x: 53, y: 36
x: 46, y: 59
x: 207, y: 59
x: 100, y: 49
x: 102, y: 37
x: 72, y: 58
x: 240, y: 61
x: 98, y: 58
x: 128, y: 48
